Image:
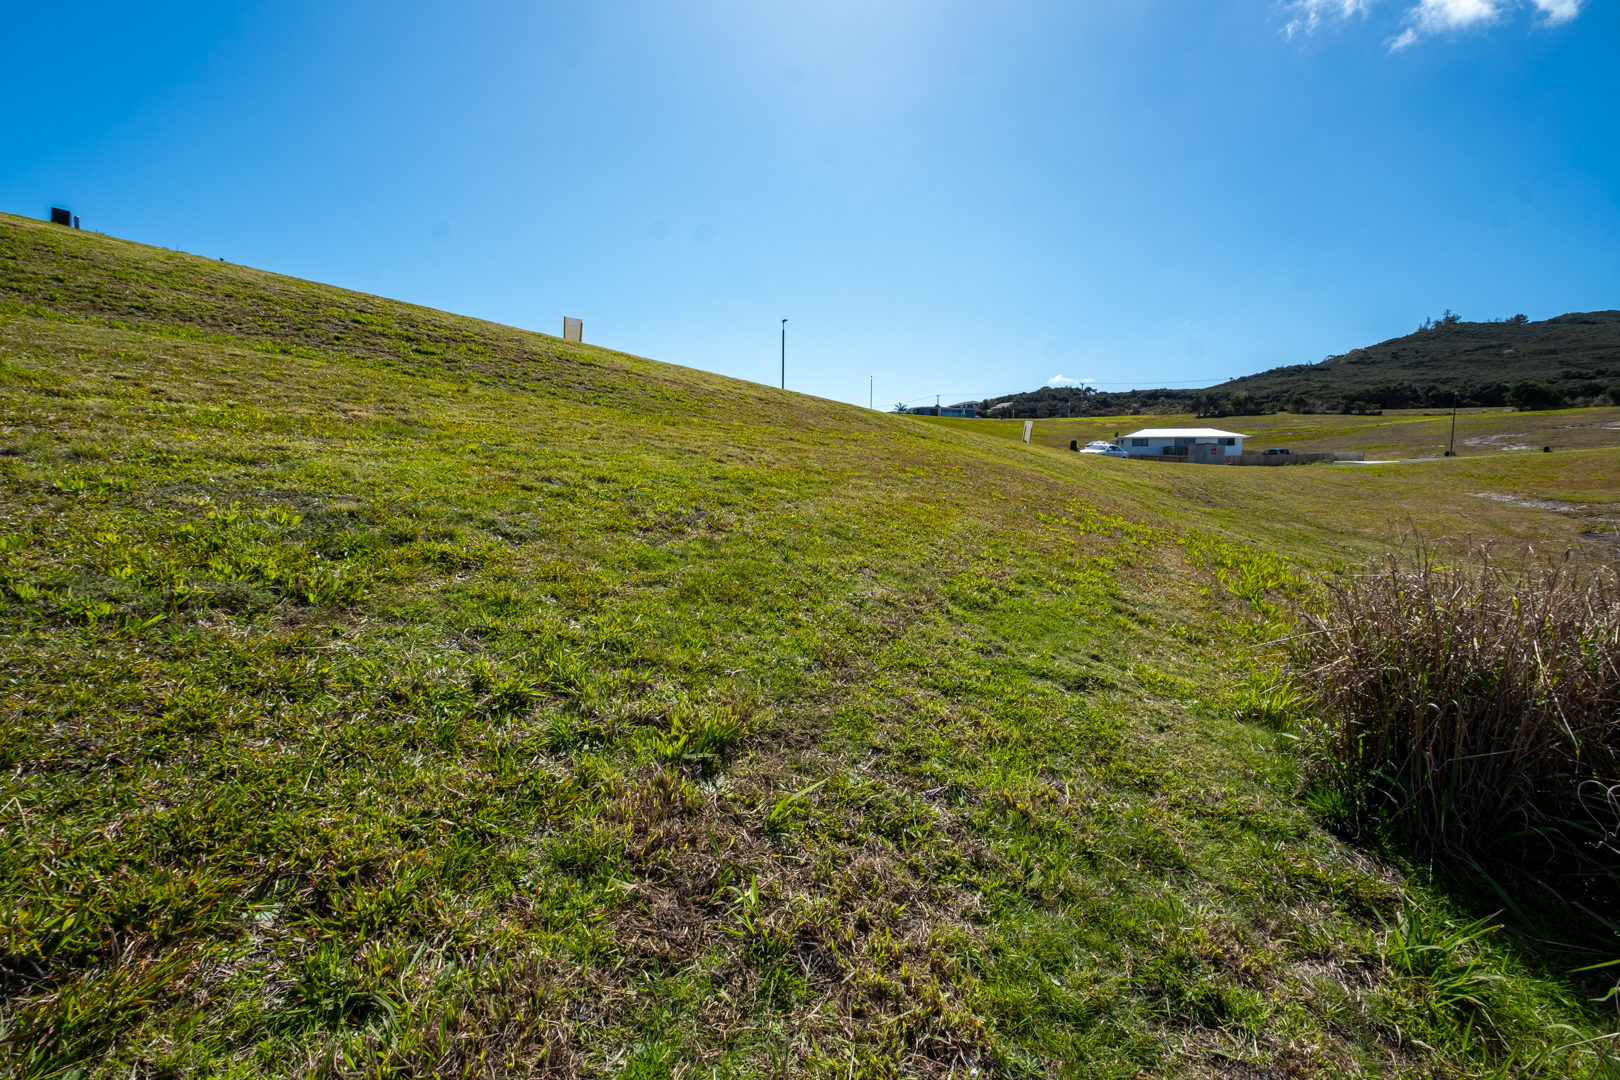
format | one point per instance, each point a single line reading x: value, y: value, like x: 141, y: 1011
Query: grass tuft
x: 1477, y: 707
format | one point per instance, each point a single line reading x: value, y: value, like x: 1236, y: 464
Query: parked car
x: 1107, y: 449
x: 1274, y: 450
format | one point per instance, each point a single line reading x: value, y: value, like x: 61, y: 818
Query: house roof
x: 1183, y: 433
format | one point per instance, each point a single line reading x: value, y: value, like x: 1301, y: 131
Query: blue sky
x: 954, y: 198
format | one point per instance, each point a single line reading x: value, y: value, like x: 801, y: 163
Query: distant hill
x: 1575, y: 356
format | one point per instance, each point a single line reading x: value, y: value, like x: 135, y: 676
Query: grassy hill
x: 1392, y: 434
x: 1577, y: 356
x: 389, y: 693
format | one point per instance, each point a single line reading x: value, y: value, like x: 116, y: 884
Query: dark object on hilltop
x: 1574, y: 356
x: 60, y: 216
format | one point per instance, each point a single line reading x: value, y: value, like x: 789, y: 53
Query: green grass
x: 1397, y: 434
x: 389, y: 693
x: 1570, y: 497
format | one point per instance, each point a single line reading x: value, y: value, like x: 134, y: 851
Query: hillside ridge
x: 1576, y: 356
x: 46, y: 270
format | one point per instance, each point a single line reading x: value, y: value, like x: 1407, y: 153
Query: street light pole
x: 784, y: 354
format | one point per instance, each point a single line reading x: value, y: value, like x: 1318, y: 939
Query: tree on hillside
x: 1448, y: 319
x: 1529, y: 396
x: 1241, y: 404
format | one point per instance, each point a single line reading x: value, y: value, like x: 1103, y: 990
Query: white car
x: 1106, y: 448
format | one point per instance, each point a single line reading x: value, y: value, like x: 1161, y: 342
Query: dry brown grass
x: 1477, y: 706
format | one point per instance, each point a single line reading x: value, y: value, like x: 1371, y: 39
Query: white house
x: 1205, y: 446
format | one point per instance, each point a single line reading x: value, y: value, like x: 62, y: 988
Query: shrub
x: 1479, y: 710
x: 1448, y: 319
x: 1528, y: 396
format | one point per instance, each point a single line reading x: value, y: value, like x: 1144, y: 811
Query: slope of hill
x: 393, y: 694
x: 1576, y: 355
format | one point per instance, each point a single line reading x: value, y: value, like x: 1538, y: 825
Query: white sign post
x: 1029, y: 426
x: 573, y: 330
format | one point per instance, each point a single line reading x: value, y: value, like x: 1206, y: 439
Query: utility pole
x: 1452, y: 450
x: 784, y: 354
x: 870, y: 388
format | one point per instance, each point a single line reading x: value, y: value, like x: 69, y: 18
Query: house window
x: 1175, y: 449
x: 1139, y: 442
x: 1228, y: 442
x: 1184, y: 442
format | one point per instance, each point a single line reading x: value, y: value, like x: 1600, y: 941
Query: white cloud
x: 1432, y: 15
x: 1426, y: 18
x: 1440, y: 16
x: 1309, y: 14
x: 1558, y: 11
x: 1064, y: 380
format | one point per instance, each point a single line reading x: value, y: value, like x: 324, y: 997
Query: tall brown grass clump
x: 1477, y: 708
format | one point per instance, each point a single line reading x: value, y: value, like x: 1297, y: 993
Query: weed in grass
x: 1269, y: 698
x: 1421, y: 945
